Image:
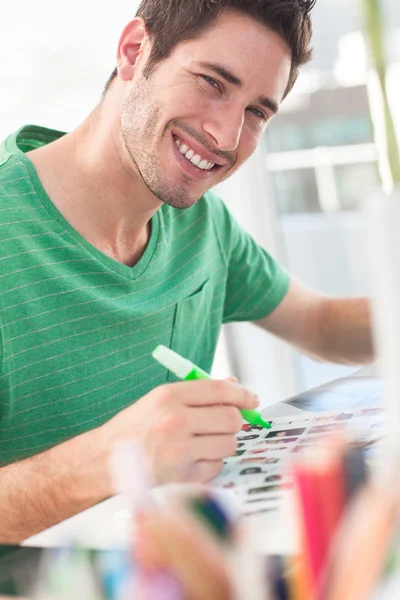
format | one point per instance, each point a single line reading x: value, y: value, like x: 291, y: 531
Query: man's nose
x: 225, y: 126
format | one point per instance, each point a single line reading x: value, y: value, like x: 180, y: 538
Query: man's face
x: 201, y: 113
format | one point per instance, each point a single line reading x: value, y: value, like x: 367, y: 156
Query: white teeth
x: 194, y: 158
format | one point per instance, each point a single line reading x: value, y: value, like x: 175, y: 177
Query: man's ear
x: 130, y: 47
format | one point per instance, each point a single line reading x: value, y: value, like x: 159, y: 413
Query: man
x: 110, y: 245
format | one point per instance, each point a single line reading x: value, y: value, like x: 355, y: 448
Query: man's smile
x: 193, y: 163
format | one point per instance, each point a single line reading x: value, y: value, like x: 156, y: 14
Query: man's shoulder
x: 26, y: 138
x: 11, y: 164
x: 12, y: 172
x: 15, y: 166
x: 9, y: 147
x: 7, y: 154
x: 15, y: 185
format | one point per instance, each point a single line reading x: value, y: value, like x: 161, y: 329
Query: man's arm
x: 39, y: 492
x: 186, y: 428
x: 329, y: 329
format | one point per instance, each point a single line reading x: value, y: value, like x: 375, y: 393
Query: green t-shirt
x: 78, y: 328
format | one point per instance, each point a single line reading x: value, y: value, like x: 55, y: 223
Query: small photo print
x: 263, y: 490
x: 260, y: 460
x: 273, y: 478
x: 251, y: 471
x: 331, y: 419
x: 277, y: 441
x: 239, y: 452
x: 327, y: 428
x: 271, y: 461
x: 285, y: 433
x: 245, y: 438
x: 263, y: 499
x: 268, y: 450
x: 253, y: 459
x: 251, y: 428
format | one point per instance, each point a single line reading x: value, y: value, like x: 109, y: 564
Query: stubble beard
x: 139, y: 118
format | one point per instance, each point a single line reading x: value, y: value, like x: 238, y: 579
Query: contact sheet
x: 259, y: 475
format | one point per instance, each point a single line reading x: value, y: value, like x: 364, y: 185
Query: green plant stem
x: 375, y: 33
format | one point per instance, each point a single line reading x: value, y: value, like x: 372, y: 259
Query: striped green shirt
x: 78, y: 328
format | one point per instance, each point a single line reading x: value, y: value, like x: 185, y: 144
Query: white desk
x: 107, y: 524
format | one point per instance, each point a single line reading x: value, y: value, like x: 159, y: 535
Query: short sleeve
x: 256, y: 283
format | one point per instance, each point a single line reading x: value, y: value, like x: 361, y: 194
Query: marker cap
x: 179, y: 366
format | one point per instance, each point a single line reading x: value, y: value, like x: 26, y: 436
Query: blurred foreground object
x: 375, y: 34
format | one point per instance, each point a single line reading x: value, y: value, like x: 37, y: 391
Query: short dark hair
x: 170, y: 22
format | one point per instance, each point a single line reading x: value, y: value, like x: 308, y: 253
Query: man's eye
x: 212, y: 82
x: 259, y: 114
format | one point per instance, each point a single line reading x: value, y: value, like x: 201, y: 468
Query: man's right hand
x: 187, y: 428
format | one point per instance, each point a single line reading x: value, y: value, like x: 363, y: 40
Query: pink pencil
x: 307, y: 485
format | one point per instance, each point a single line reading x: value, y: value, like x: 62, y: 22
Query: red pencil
x: 321, y: 491
x: 332, y: 493
x: 310, y: 514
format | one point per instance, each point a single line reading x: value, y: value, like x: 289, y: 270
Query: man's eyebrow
x: 268, y: 103
x: 231, y: 78
x: 223, y: 72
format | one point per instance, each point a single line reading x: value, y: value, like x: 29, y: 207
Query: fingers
x: 213, y: 447
x: 182, y: 459
x: 204, y: 471
x: 191, y: 427
x: 213, y: 420
x: 211, y: 393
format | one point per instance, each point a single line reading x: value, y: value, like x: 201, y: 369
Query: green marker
x: 184, y: 369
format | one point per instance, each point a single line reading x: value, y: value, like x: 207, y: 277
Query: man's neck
x: 87, y: 178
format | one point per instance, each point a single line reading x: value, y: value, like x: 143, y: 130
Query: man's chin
x: 174, y: 197
x: 180, y: 204
x: 178, y: 201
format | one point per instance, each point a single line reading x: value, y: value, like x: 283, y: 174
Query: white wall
x: 328, y: 252
x: 56, y: 58
x: 262, y: 362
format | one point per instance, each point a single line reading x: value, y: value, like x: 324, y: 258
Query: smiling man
x: 191, y: 121
x: 111, y: 243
